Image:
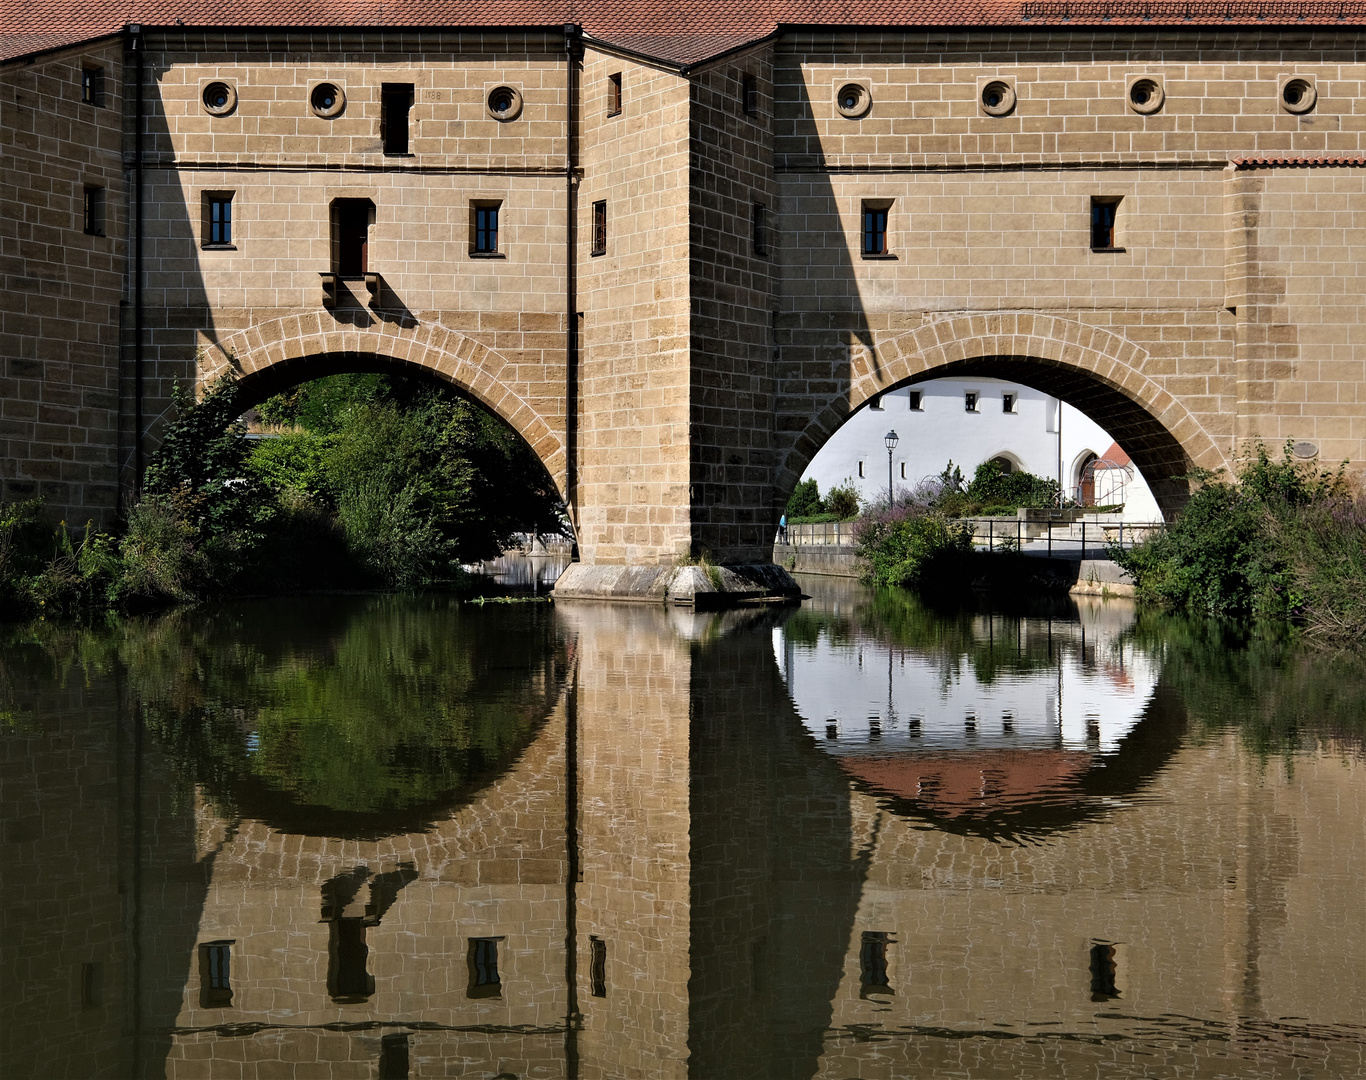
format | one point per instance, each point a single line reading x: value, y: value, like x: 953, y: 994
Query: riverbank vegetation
x: 364, y: 481
x: 922, y: 541
x: 1285, y: 541
x: 808, y: 507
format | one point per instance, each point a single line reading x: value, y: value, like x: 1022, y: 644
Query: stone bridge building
x: 676, y: 249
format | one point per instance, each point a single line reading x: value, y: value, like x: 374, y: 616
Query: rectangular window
x: 1104, y: 972
x: 484, y: 228
x: 217, y: 214
x: 1104, y: 214
x: 348, y: 961
x: 749, y: 95
x: 759, y: 228
x: 93, y: 211
x: 482, y: 959
x: 903, y: 470
x: 875, y: 403
x: 1007, y: 403
x: 215, y: 975
x: 92, y: 86
x: 351, y: 236
x: 393, y: 1056
x: 875, y: 228
x: 915, y: 400
x: 860, y: 470
x: 599, y: 229
x: 970, y: 401
x: 396, y: 99
x: 597, y: 966
x: 873, y: 962
x: 614, y: 94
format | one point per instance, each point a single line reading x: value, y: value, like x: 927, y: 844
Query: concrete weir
x: 702, y: 587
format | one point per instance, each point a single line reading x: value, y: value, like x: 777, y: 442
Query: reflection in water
x: 402, y: 837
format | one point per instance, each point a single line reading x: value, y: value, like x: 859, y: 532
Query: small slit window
x: 599, y: 228
x: 759, y: 228
x: 875, y: 220
x: 903, y: 470
x: 875, y: 403
x: 749, y: 95
x: 597, y: 966
x: 614, y: 94
x: 93, y: 211
x: 1104, y: 222
x: 1007, y: 403
x: 92, y: 86
x: 914, y: 397
x: 860, y: 470
x: 484, y: 224
x: 970, y: 401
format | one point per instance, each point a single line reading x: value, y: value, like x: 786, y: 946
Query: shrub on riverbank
x: 805, y: 507
x: 1287, y: 541
x: 394, y: 484
x: 909, y: 546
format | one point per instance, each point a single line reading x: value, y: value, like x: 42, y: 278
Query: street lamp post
x: 890, y: 440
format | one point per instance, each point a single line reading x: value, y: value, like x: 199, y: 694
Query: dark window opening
x: 1104, y: 213
x: 872, y: 962
x: 92, y: 86
x: 903, y: 470
x: 93, y: 211
x: 597, y: 966
x: 215, y: 975
x: 348, y: 980
x: 483, y: 964
x: 484, y: 228
x: 875, y: 403
x: 875, y: 229
x: 599, y: 229
x: 218, y: 218
x: 860, y: 470
x: 92, y: 985
x: 759, y: 228
x: 1007, y: 403
x: 396, y: 99
x: 614, y: 94
x: 393, y: 1056
x: 749, y: 95
x: 915, y: 400
x: 970, y: 401
x: 1103, y: 972
x: 351, y: 236
x: 1005, y: 464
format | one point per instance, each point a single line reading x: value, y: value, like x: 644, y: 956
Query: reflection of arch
x: 278, y: 354
x: 1092, y: 368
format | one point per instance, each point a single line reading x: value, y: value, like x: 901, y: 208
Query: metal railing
x: 1089, y: 539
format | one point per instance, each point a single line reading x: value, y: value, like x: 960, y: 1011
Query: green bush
x: 992, y: 486
x: 908, y: 546
x: 1286, y: 541
x: 805, y: 501
x: 843, y: 501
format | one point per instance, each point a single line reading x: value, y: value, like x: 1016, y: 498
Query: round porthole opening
x: 327, y: 100
x: 1145, y: 96
x: 1298, y: 95
x: 998, y: 98
x: 505, y: 103
x: 219, y: 98
x: 853, y: 100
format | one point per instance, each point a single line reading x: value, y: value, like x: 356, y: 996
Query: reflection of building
x: 676, y: 879
x: 968, y: 421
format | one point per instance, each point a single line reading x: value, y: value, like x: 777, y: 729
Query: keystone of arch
x: 446, y: 354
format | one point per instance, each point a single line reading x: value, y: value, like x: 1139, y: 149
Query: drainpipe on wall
x: 135, y: 33
x: 573, y: 50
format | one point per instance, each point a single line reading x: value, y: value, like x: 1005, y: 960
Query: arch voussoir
x: 298, y: 344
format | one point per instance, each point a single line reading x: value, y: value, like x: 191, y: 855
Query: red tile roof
x: 681, y: 31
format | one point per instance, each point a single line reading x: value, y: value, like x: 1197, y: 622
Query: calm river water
x: 383, y: 836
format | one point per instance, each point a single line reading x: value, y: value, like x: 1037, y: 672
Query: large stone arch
x: 1095, y: 370
x: 278, y: 354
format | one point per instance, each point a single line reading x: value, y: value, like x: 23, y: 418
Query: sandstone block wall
x: 59, y: 314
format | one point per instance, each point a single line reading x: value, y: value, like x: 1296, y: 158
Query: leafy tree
x: 805, y: 500
x: 842, y: 500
